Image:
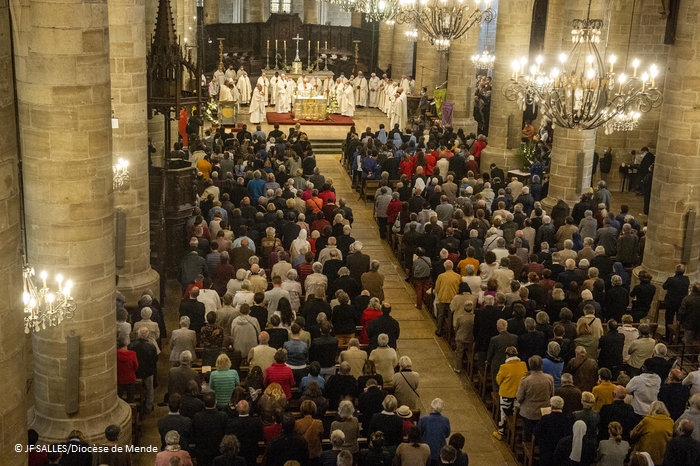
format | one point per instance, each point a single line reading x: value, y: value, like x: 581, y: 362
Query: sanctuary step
x: 328, y: 146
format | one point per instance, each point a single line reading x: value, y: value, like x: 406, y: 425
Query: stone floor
x: 431, y: 357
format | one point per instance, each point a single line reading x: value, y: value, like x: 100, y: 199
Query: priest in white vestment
x: 328, y: 86
x: 361, y: 90
x: 316, y: 85
x: 301, y: 79
x: 231, y: 73
x: 282, y: 96
x: 273, y: 88
x: 347, y: 104
x: 390, y: 97
x: 304, y: 89
x: 400, y: 111
x: 240, y: 72
x: 405, y: 84
x: 257, y: 105
x: 373, y: 86
x: 244, y: 88
x: 265, y: 83
x: 225, y: 94
x: 292, y: 90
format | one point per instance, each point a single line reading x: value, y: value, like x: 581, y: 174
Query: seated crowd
x: 286, y: 347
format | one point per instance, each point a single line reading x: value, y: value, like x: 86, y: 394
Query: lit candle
x: 318, y: 46
x: 326, y: 45
x: 268, y: 43
x: 635, y: 64
x: 613, y: 59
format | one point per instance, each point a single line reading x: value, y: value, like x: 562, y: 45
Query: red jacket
x: 407, y: 168
x: 368, y: 315
x: 127, y: 363
x: 280, y: 373
x: 478, y: 147
x: 393, y: 210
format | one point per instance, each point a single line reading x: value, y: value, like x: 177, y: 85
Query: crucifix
x: 221, y: 51
x: 297, y: 39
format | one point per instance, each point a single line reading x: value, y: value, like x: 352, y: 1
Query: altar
x: 310, y: 108
x: 322, y: 75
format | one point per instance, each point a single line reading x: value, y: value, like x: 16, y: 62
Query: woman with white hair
x: 406, y: 384
x: 293, y: 287
x: 146, y: 322
x: 235, y: 284
x: 389, y: 423
x: 348, y: 425
x: 245, y: 296
x: 435, y: 428
x: 385, y: 359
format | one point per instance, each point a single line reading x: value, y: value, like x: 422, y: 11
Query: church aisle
x: 431, y: 356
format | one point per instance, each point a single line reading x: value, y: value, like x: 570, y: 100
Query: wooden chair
x: 495, y: 408
x: 483, y: 383
x: 530, y: 453
x: 470, y: 362
x: 514, y: 425
x: 370, y: 187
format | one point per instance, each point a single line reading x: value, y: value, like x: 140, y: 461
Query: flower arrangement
x: 211, y: 108
x: 333, y: 106
x: 526, y: 155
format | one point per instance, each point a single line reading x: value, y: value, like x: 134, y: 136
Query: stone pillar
x: 356, y: 19
x: 13, y: 414
x: 461, y: 78
x: 211, y: 12
x: 429, y: 66
x: 677, y: 167
x: 311, y: 11
x: 65, y: 132
x: 570, y: 171
x: 128, y: 85
x: 402, y: 52
x: 257, y: 11
x: 226, y: 8
x: 386, y: 45
x: 512, y: 43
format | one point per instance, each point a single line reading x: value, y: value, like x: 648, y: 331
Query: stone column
x: 257, y: 11
x: 356, y: 19
x: 461, y: 78
x: 385, y: 44
x: 65, y: 132
x: 570, y: 171
x: 512, y: 43
x: 13, y: 414
x: 128, y: 85
x: 677, y: 167
x: 402, y: 52
x: 211, y: 12
x: 311, y: 11
x: 429, y: 66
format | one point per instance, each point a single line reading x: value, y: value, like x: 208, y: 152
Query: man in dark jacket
x: 323, y: 350
x: 147, y: 355
x: 175, y: 421
x: 682, y: 449
x: 209, y: 428
x: 496, y: 355
x: 357, y: 262
x: 689, y: 315
x: 383, y: 324
x: 676, y: 289
x: 552, y: 428
x: 485, y: 327
x: 288, y: 446
x: 248, y: 430
x: 194, y: 310
x: 610, y: 348
x: 618, y: 411
x: 370, y: 402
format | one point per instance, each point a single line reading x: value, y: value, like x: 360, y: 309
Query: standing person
x: 148, y: 360
x: 653, y: 432
x: 244, y: 88
x: 223, y: 381
x: 614, y: 450
x: 551, y: 428
x: 257, y: 105
x: 422, y: 266
x: 435, y: 429
x: 683, y: 448
x: 127, y: 365
x: 112, y: 456
x: 508, y: 378
x: 414, y: 452
x: 208, y: 427
x: 689, y: 315
x: 534, y: 393
x: 446, y: 287
x: 676, y: 289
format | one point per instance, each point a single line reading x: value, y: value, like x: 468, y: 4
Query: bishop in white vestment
x: 273, y: 88
x: 282, y: 96
x: 400, y: 111
x: 265, y: 83
x: 373, y: 86
x: 347, y: 102
x: 405, y: 84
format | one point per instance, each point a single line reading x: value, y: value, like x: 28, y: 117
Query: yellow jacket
x: 447, y: 286
x: 652, y: 435
x: 509, y: 376
x: 603, y: 395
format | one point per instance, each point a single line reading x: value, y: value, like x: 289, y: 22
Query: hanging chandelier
x: 443, y: 21
x: 377, y: 10
x: 42, y: 306
x: 583, y: 94
x: 484, y: 60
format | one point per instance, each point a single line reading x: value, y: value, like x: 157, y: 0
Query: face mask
x: 605, y: 151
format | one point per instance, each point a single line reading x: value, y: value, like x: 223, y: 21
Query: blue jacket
x: 435, y: 428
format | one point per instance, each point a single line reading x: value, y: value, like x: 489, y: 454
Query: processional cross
x: 297, y: 39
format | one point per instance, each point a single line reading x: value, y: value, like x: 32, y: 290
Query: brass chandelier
x: 583, y: 93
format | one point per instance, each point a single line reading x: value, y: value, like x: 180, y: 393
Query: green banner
x: 439, y: 95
